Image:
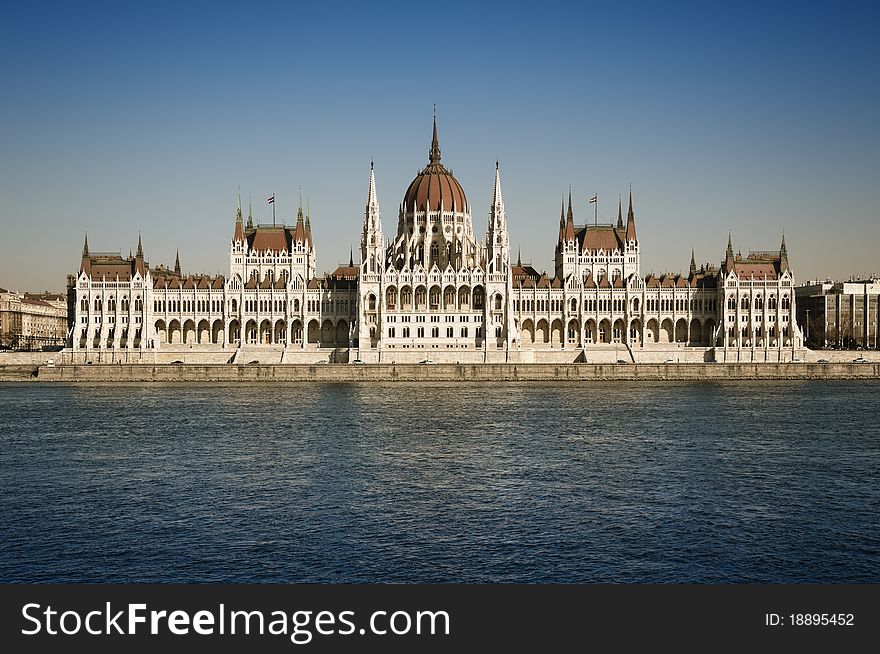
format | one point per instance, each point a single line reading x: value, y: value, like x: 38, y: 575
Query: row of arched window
x: 745, y: 303
x: 124, y: 304
x: 425, y: 299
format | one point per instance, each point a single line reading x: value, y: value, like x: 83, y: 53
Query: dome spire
x: 434, y: 154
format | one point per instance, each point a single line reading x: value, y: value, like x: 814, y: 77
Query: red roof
x: 593, y: 238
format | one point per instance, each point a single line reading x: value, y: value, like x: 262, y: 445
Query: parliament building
x: 434, y: 292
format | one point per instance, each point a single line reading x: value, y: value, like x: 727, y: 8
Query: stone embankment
x: 332, y: 373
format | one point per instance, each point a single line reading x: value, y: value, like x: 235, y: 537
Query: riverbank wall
x: 335, y: 373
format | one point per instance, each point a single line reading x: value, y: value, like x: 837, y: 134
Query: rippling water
x: 612, y: 482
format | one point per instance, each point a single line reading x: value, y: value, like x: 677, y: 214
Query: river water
x: 517, y: 482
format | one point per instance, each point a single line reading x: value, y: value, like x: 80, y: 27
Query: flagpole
x: 273, y: 210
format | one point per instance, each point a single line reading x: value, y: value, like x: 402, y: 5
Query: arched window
x: 574, y: 305
x: 371, y: 302
x: 744, y: 304
x: 478, y: 298
x: 771, y: 302
x: 97, y: 304
x: 731, y: 303
x: 786, y: 303
x: 759, y: 303
x: 84, y: 305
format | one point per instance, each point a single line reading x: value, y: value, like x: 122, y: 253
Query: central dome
x: 435, y: 186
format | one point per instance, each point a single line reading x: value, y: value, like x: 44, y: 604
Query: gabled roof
x: 592, y: 238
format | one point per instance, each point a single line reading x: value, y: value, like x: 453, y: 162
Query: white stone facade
x: 435, y: 292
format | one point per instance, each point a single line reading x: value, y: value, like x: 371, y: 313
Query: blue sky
x: 748, y: 118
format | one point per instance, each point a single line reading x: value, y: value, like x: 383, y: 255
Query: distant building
x: 436, y: 290
x: 839, y: 314
x: 32, y: 321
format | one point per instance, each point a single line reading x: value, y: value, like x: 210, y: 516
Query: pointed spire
x: 177, y: 264
x: 693, y: 269
x: 497, y: 201
x: 519, y: 257
x: 630, y: 219
x: 783, y: 254
x: 434, y: 154
x: 308, y: 215
x: 372, y: 199
x: 86, y: 247
x: 250, y: 222
x: 351, y: 258
x: 140, y: 250
x: 238, y: 210
x: 729, y: 247
x: 620, y: 213
x: 569, y: 221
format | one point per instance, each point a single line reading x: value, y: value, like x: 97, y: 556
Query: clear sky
x: 753, y: 118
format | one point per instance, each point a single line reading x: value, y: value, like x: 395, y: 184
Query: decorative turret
x: 372, y: 240
x: 569, y: 221
x: 693, y: 268
x: 139, y: 258
x: 250, y: 221
x: 85, y: 266
x: 783, y: 256
x: 177, y: 264
x: 497, y: 238
x: 238, y: 234
x: 728, y: 257
x: 619, y: 215
x: 630, y: 221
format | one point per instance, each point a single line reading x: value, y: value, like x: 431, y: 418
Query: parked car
x: 622, y: 362
x: 359, y: 362
x: 669, y: 361
x: 822, y: 361
x: 179, y: 361
x: 254, y: 362
x: 425, y: 362
x: 860, y: 360
x: 50, y: 363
